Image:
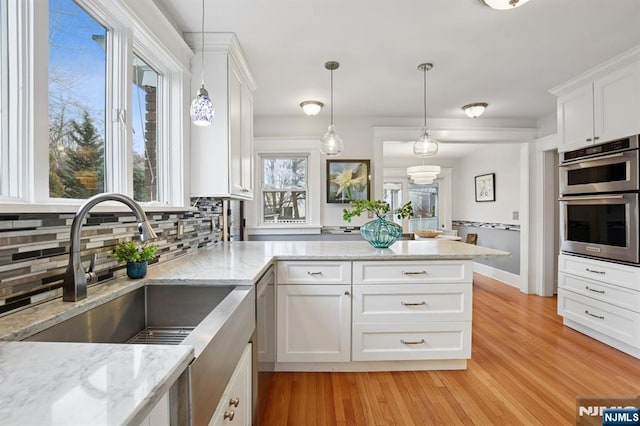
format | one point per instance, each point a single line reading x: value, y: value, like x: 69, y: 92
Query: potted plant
x: 136, y: 256
x: 380, y: 232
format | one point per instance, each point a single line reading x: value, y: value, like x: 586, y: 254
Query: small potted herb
x: 136, y: 256
x: 379, y: 232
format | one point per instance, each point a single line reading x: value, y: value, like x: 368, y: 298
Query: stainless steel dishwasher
x: 264, y: 339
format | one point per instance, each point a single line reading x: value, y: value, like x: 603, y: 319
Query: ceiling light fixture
x: 331, y: 144
x: 201, y: 106
x: 423, y: 172
x: 422, y: 181
x: 425, y: 146
x: 504, y: 4
x: 475, y: 110
x: 311, y: 108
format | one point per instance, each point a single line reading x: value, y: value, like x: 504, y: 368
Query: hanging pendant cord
x: 332, y: 97
x: 425, y: 96
x: 202, y: 47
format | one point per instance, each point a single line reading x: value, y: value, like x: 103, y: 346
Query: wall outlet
x: 516, y: 215
x: 370, y: 215
x: 180, y: 230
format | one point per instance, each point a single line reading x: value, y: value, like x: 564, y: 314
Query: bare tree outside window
x: 424, y: 200
x: 77, y: 85
x: 284, y: 189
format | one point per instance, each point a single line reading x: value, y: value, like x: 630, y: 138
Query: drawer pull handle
x: 414, y: 272
x: 594, y: 290
x: 234, y: 402
x: 593, y: 315
x: 593, y: 271
x: 314, y: 273
x: 408, y: 342
x: 229, y: 415
x: 413, y: 304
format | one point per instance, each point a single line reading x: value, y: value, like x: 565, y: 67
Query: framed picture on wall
x: 348, y: 180
x: 486, y: 187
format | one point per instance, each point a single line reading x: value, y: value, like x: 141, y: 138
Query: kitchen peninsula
x: 353, y: 268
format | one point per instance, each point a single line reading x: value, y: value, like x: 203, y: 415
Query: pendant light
x: 425, y: 146
x: 201, y: 106
x: 331, y: 144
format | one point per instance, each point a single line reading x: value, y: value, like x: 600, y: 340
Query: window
x: 393, y: 196
x: 284, y: 190
x: 4, y: 97
x: 424, y: 200
x: 145, y: 129
x: 77, y: 90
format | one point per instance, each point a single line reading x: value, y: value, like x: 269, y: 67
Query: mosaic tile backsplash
x: 34, y: 247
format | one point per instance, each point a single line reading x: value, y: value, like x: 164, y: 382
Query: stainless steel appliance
x: 264, y: 356
x: 609, y: 167
x: 599, y: 189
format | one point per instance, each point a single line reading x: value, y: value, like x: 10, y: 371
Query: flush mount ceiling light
x: 201, y: 106
x: 425, y: 146
x: 331, y: 144
x: 475, y: 110
x: 504, y: 4
x: 311, y: 107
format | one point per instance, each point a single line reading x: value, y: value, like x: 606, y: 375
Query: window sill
x: 284, y: 230
x: 72, y: 207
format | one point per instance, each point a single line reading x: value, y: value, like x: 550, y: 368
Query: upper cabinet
x: 600, y: 105
x: 221, y: 161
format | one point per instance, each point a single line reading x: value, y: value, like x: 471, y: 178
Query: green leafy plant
x: 131, y: 251
x: 378, y: 207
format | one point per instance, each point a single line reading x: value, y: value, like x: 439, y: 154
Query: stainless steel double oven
x: 599, y: 187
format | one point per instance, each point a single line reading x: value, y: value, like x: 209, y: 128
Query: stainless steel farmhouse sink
x: 153, y: 314
x: 216, y: 320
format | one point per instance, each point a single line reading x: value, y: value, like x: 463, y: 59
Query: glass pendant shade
x: 425, y: 146
x: 504, y: 4
x: 331, y: 144
x: 202, y: 108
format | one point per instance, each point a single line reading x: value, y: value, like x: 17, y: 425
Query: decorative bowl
x: 427, y: 233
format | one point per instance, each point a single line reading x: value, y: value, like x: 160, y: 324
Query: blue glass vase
x: 380, y: 232
x: 136, y: 270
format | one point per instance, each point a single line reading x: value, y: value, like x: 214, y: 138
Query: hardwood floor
x: 526, y: 368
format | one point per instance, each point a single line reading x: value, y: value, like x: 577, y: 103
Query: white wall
x: 501, y: 159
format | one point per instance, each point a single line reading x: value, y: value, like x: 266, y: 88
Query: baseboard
x: 360, y: 366
x: 498, y: 274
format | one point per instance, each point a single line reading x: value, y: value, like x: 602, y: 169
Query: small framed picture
x: 348, y: 180
x: 486, y: 187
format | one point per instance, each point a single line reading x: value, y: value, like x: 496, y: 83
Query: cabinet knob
x: 233, y: 402
x: 229, y: 415
x: 346, y: 293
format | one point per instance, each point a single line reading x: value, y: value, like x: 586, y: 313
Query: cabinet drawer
x: 314, y: 272
x: 411, y: 303
x: 411, y: 341
x: 404, y: 272
x: 620, y: 296
x: 619, y: 323
x: 611, y: 273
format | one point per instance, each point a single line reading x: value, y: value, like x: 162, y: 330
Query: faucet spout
x: 75, y: 278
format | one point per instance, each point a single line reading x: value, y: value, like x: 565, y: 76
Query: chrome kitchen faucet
x: 76, y: 278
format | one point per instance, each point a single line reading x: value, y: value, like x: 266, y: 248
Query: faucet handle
x: 92, y: 277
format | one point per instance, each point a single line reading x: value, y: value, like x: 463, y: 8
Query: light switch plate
x: 516, y: 215
x: 180, y: 230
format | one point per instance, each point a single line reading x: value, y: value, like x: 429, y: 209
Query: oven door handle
x: 592, y: 197
x: 594, y: 158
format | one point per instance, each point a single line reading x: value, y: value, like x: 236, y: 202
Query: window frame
x: 262, y: 187
x: 132, y: 26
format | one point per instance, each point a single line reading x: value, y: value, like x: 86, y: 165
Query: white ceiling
x: 506, y: 58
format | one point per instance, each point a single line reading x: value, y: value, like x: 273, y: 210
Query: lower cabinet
x: 313, y: 323
x: 602, y: 300
x: 235, y: 405
x: 347, y: 312
x: 160, y: 415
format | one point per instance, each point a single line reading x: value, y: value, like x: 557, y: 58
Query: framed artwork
x: 486, y: 187
x: 348, y: 180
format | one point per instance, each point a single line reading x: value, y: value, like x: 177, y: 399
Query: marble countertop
x: 85, y: 384
x: 25, y: 365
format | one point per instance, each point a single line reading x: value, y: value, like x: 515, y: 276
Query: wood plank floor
x: 526, y: 368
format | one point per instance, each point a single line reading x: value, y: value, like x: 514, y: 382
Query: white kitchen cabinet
x: 599, y: 110
x: 313, y: 323
x: 160, y: 415
x: 235, y: 405
x: 221, y: 160
x: 602, y: 300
